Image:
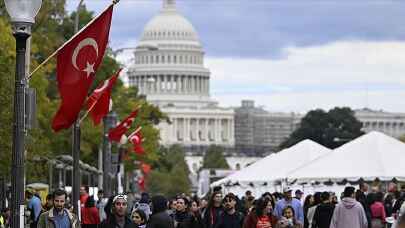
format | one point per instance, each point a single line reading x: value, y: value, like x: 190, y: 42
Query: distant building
x: 258, y: 131
x: 392, y: 124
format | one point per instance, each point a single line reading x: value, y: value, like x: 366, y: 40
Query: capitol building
x: 169, y: 70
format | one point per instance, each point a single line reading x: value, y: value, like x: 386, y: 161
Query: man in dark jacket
x: 182, y: 215
x: 160, y: 218
x: 324, y: 212
x: 118, y: 217
x: 230, y: 218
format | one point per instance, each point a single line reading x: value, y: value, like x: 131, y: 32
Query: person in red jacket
x: 261, y: 215
x: 90, y: 215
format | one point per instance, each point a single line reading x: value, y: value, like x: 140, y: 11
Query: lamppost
x: 109, y: 122
x: 22, y: 14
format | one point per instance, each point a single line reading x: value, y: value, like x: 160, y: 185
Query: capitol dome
x: 169, y: 61
x: 170, y: 25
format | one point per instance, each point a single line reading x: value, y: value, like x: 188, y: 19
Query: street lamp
x: 110, y: 121
x: 22, y: 14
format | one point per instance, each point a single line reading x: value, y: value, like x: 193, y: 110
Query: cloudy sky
x: 289, y: 55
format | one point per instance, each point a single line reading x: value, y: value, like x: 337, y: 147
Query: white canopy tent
x: 267, y: 173
x: 371, y: 156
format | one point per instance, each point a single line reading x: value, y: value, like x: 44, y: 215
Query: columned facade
x: 392, y: 124
x: 169, y: 70
x: 204, y: 128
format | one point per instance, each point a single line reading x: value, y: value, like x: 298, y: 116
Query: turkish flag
x: 98, y: 103
x: 77, y: 62
x: 145, y: 168
x: 138, y: 149
x: 135, y: 138
x: 116, y: 133
x: 141, y: 183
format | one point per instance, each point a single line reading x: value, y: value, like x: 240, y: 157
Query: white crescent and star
x: 89, y: 66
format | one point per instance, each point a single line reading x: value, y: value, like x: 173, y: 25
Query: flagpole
x: 87, y: 112
x: 76, y: 180
x: 74, y: 36
x: 136, y: 131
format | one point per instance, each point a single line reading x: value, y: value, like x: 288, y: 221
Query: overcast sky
x: 288, y: 55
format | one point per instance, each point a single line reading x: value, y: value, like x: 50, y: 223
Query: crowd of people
x: 353, y: 209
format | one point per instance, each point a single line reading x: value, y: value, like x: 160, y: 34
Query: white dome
x: 170, y: 25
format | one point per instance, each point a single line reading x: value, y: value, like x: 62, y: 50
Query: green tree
x: 7, y: 56
x: 170, y: 173
x: 53, y: 27
x: 214, y: 158
x: 330, y: 129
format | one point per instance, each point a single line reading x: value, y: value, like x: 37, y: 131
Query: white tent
x: 275, y: 167
x: 371, y: 156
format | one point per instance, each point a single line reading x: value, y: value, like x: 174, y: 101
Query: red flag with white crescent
x: 77, y: 62
x: 116, y: 133
x: 135, y: 138
x: 99, y: 101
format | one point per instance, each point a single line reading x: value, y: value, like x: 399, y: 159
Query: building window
x: 174, y: 59
x: 169, y: 59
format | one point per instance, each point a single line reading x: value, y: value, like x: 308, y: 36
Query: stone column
x: 197, y: 129
x: 229, y: 130
x: 187, y: 130
x: 216, y: 130
x: 185, y: 88
x: 141, y: 88
x: 200, y: 85
x: 136, y: 82
x: 176, y: 139
x: 207, y: 139
x: 232, y: 133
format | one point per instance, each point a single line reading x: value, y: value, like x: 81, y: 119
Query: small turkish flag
x: 116, y: 133
x: 145, y: 168
x: 135, y: 138
x: 77, y: 62
x: 138, y: 149
x: 141, y: 183
x: 98, y: 103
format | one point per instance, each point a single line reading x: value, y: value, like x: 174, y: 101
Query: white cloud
x: 350, y: 73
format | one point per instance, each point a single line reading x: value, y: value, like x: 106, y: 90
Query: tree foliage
x: 7, y: 56
x: 330, y: 129
x: 170, y: 173
x: 214, y: 158
x: 53, y: 27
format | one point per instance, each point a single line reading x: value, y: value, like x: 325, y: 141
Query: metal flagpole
x: 76, y: 144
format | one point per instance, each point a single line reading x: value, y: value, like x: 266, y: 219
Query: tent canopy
x: 371, y: 156
x: 276, y: 166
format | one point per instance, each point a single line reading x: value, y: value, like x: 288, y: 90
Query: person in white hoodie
x: 349, y: 212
